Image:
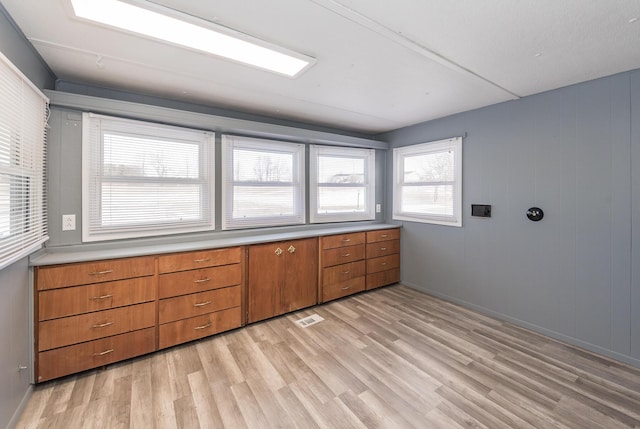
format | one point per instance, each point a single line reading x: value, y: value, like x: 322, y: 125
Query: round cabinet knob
x: 535, y: 214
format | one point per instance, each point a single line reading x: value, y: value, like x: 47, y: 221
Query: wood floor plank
x: 296, y: 411
x: 186, y: 414
x: 524, y: 408
x: 273, y: 411
x: 230, y: 413
x: 388, y: 358
x: 120, y: 403
x: 82, y: 390
x: 218, y: 362
x: 204, y: 402
x: 163, y: 412
x: 141, y: 394
x: 365, y: 414
x: 391, y: 415
x: 248, y: 405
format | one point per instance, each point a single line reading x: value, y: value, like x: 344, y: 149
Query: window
x: 23, y: 117
x: 342, y: 184
x: 428, y: 182
x: 263, y: 183
x: 143, y: 179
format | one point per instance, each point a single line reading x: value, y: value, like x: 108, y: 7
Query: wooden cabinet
x: 342, y: 267
x: 200, y: 294
x: 282, y: 277
x: 383, y: 257
x: 92, y: 314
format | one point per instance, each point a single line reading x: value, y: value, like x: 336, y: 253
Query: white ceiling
x: 381, y: 64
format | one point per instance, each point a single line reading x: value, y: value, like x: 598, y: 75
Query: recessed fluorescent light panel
x: 180, y: 29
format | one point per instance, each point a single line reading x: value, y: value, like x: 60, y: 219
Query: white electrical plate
x: 69, y: 222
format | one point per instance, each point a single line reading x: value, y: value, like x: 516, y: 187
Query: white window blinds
x: 263, y: 183
x: 428, y: 182
x: 342, y: 184
x: 23, y: 135
x: 144, y: 179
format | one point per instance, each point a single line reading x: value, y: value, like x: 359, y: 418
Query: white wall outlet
x: 378, y: 208
x: 69, y: 222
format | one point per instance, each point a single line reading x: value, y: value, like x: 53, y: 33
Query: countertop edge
x: 84, y: 253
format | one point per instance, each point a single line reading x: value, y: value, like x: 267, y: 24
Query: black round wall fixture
x: 535, y: 214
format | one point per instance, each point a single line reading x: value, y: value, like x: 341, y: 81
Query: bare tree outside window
x: 434, y: 168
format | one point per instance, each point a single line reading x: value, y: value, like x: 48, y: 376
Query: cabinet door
x: 266, y: 275
x: 301, y: 274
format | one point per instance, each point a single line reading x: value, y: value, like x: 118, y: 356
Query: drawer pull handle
x: 202, y: 304
x: 383, y: 248
x: 106, y: 352
x: 101, y: 273
x: 97, y: 298
x: 346, y: 255
x: 384, y: 236
x: 202, y: 260
x: 202, y: 327
x: 102, y: 325
x: 278, y: 251
x: 202, y: 280
x: 384, y: 263
x: 346, y: 288
x: 346, y: 240
x: 346, y: 272
x: 291, y: 249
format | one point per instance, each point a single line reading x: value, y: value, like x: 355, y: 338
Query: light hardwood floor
x: 390, y: 358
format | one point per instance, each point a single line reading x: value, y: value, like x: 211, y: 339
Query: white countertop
x: 100, y: 251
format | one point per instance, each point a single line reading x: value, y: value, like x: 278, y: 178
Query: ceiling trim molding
x: 219, y: 124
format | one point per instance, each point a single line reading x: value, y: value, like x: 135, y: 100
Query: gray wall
x: 574, y: 152
x: 14, y: 340
x: 14, y: 280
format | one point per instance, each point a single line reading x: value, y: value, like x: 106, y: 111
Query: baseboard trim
x: 630, y: 360
x: 23, y: 404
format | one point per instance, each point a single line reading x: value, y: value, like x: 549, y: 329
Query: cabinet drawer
x: 51, y: 277
x: 383, y: 235
x: 70, y: 301
x: 80, y: 357
x: 338, y: 290
x: 195, y: 304
x: 91, y: 326
x: 186, y: 282
x: 342, y: 273
x: 383, y: 263
x: 342, y: 255
x: 192, y: 260
x: 341, y: 240
x: 383, y: 248
x: 383, y: 278
x: 199, y: 327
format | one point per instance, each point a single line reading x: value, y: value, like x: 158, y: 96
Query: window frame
x: 93, y: 229
x: 368, y: 185
x: 454, y: 145
x: 297, y: 150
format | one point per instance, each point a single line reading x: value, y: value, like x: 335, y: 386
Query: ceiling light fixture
x: 170, y: 26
